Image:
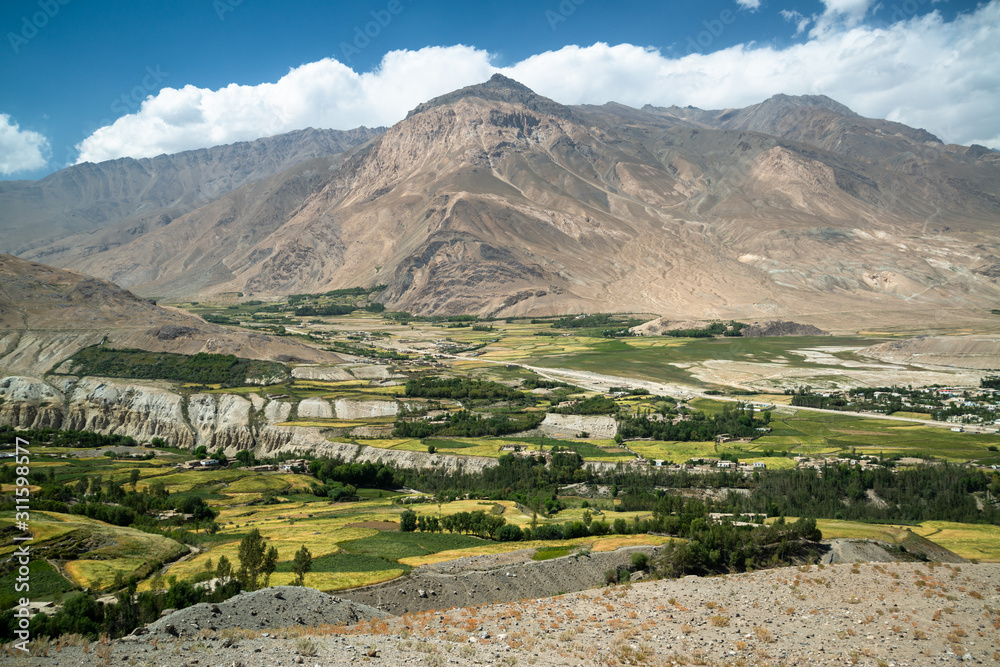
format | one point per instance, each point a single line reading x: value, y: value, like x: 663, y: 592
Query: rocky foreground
x: 901, y: 614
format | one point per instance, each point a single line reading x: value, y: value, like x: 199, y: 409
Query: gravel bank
x: 898, y: 614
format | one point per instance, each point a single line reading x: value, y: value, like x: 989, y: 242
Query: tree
x: 301, y: 565
x: 251, y: 556
x: 133, y: 477
x: 269, y: 565
x: 408, y: 521
x: 224, y: 569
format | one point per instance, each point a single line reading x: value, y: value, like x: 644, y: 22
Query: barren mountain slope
x: 47, y: 314
x: 492, y: 199
x: 203, y: 248
x: 36, y: 216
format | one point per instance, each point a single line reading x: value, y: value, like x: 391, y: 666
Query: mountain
x: 149, y: 193
x: 495, y: 200
x: 48, y: 314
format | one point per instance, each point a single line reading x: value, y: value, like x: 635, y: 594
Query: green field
x: 812, y: 433
x: 660, y: 358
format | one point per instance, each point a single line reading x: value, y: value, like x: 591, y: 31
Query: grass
x: 548, y: 553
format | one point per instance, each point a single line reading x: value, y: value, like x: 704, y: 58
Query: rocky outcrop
x: 277, y: 411
x: 222, y: 420
x: 140, y: 411
x: 781, y: 328
x: 315, y: 408
x: 348, y: 408
x: 330, y: 373
x: 598, y: 426
x: 30, y: 403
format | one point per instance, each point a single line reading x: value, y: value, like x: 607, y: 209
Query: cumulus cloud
x: 20, y: 150
x: 752, y: 5
x: 324, y: 94
x: 924, y: 71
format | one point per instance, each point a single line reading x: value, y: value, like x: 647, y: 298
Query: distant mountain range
x: 495, y: 200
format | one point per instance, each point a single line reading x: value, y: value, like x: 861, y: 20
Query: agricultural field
x: 590, y: 450
x: 813, y: 433
x: 88, y: 552
x: 970, y: 540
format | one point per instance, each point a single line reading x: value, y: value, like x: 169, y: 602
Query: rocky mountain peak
x: 499, y: 88
x: 784, y: 103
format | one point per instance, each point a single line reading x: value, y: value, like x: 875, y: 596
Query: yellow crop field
x: 592, y: 543
x: 970, y: 540
x: 320, y: 538
x: 100, y: 574
x: 673, y: 451
x: 270, y: 482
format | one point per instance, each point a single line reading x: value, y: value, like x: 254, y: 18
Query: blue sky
x: 89, y: 80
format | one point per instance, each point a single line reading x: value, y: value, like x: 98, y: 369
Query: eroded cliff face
x: 144, y: 410
x: 283, y: 440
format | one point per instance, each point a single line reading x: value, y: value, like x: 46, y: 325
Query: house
x: 724, y: 464
x: 759, y: 465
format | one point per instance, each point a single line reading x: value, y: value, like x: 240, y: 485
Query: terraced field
x: 92, y: 551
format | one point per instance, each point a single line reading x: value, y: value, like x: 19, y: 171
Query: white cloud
x: 854, y: 10
x: 20, y: 150
x: 801, y: 21
x: 752, y: 5
x: 325, y: 94
x: 924, y: 72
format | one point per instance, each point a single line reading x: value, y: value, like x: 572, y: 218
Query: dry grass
x: 764, y: 635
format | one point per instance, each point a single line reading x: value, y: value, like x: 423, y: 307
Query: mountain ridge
x: 495, y: 200
x: 152, y: 191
